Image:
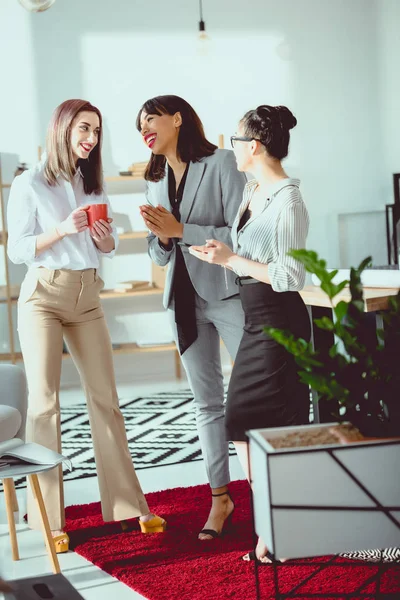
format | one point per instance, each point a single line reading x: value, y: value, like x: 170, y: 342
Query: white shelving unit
x: 9, y: 293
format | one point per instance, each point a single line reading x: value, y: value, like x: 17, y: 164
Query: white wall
x: 118, y: 54
x: 19, y: 117
x: 333, y: 62
x: 389, y: 87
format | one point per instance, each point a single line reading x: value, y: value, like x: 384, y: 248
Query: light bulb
x: 36, y: 5
x: 203, y: 37
x: 204, y: 40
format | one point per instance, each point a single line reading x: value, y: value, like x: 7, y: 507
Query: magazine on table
x: 15, y: 452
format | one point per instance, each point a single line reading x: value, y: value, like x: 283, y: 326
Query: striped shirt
x: 267, y: 237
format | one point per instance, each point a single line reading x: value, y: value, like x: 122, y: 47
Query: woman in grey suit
x: 194, y: 191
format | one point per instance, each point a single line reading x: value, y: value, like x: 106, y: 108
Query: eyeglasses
x: 238, y: 138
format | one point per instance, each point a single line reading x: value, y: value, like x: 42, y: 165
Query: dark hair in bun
x: 270, y: 125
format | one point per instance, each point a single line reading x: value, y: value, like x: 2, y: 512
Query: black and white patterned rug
x: 161, y: 430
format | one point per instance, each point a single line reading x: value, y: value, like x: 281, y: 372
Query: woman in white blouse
x: 59, y: 298
x: 264, y: 389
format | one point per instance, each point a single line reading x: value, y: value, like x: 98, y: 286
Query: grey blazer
x: 212, y: 196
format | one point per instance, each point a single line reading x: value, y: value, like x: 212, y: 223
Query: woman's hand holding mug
x: 93, y: 216
x: 98, y: 221
x: 76, y: 222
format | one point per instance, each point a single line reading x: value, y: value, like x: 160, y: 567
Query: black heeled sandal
x: 214, y: 534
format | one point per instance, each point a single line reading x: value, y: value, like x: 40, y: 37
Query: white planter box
x: 324, y: 500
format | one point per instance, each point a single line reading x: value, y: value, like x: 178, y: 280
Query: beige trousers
x: 64, y: 303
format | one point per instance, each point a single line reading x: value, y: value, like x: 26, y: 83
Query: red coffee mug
x: 95, y: 212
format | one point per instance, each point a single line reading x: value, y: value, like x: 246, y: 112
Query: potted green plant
x: 360, y: 372
x: 317, y: 490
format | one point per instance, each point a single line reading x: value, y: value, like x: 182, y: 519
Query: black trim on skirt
x: 264, y: 388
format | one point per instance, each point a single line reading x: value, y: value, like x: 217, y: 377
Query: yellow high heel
x: 155, y: 525
x: 61, y: 547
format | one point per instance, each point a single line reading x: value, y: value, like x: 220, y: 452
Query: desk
x: 319, y: 305
x: 375, y: 298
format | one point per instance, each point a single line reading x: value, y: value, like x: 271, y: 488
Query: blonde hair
x: 60, y: 160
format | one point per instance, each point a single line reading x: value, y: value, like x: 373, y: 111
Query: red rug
x: 175, y: 565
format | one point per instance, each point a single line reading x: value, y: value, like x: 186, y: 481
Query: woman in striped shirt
x: 264, y: 389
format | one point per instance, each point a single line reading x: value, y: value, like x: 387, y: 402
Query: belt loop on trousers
x: 52, y: 275
x: 95, y: 274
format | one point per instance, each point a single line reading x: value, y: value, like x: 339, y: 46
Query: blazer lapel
x: 162, y: 192
x: 194, y: 177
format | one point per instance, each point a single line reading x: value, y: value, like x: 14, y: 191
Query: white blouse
x: 35, y: 207
x: 267, y: 237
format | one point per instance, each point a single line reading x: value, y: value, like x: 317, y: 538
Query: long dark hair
x: 192, y: 142
x: 270, y: 125
x: 60, y: 159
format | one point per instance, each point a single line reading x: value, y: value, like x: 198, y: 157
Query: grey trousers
x: 202, y: 362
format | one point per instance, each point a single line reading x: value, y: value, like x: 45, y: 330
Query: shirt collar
x: 277, y: 186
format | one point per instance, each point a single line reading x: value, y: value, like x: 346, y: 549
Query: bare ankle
x: 57, y: 532
x: 145, y: 518
x: 221, y: 491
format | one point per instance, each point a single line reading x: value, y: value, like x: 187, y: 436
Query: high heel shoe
x: 59, y: 545
x: 215, y: 534
x: 154, y: 525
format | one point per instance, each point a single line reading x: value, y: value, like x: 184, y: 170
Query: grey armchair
x: 13, y: 402
x: 13, y: 409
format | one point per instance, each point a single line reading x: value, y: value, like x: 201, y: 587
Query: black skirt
x: 264, y: 389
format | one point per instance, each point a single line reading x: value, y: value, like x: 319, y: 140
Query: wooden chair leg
x: 14, y: 497
x: 8, y: 493
x: 37, y: 494
x: 178, y: 373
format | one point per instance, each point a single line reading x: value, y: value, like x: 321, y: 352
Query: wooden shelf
x: 125, y: 178
x: 14, y: 289
x: 105, y: 295
x: 110, y: 178
x: 133, y: 235
x: 151, y: 291
x: 375, y: 299
x: 18, y: 356
x: 130, y: 348
x: 128, y: 235
x: 119, y: 349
